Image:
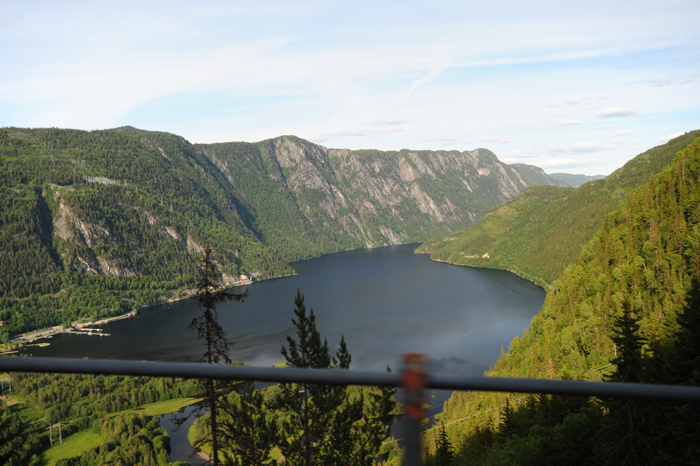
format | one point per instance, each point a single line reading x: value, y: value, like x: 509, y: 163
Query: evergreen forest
x: 626, y: 309
x: 539, y: 232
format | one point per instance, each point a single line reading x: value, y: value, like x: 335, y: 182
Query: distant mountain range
x: 575, y: 180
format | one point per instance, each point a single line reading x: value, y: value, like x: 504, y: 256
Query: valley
x: 105, y: 223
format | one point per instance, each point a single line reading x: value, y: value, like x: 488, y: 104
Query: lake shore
x: 544, y: 285
x: 34, y: 335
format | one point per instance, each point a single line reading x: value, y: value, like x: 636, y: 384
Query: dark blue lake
x: 386, y: 302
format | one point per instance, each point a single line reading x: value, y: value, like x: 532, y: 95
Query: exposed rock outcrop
x: 375, y: 197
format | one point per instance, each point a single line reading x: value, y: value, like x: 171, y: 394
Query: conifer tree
x: 506, y: 429
x: 627, y: 421
x: 323, y: 423
x: 682, y: 445
x: 210, y: 294
x: 444, y: 454
x: 248, y: 432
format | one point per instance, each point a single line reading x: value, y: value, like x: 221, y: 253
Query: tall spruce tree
x: 329, y: 424
x: 626, y: 423
x: 444, y: 454
x: 681, y: 443
x: 248, y: 429
x: 210, y: 294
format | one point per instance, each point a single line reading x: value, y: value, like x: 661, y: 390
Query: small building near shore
x: 245, y: 280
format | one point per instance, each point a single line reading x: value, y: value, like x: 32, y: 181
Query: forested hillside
x: 100, y: 223
x: 539, y: 232
x: 627, y: 309
x: 307, y: 200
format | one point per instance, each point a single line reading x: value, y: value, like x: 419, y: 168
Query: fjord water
x: 386, y: 302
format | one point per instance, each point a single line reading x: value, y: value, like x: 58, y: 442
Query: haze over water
x: 385, y: 301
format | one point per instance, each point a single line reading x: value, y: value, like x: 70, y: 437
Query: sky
x: 577, y: 87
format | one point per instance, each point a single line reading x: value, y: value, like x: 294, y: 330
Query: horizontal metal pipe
x: 343, y: 377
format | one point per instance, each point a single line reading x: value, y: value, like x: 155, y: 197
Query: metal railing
x: 412, y: 380
x: 342, y: 377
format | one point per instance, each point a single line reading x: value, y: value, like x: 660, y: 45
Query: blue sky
x: 580, y: 87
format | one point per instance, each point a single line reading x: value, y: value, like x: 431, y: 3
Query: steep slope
x: 645, y: 256
x: 575, y: 181
x: 535, y: 176
x: 102, y: 222
x: 307, y: 200
x: 538, y: 233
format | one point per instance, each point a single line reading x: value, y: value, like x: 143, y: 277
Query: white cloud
x: 568, y: 162
x: 659, y: 82
x: 450, y: 141
x: 355, y: 134
x: 622, y: 132
x: 616, y: 112
x: 498, y: 139
x: 569, y: 122
x: 385, y: 123
x: 589, y: 147
x: 665, y: 139
x: 355, y: 80
x: 432, y: 76
x: 521, y: 156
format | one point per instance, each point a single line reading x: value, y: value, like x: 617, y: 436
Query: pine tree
x: 626, y: 427
x: 248, y: 432
x: 507, y: 428
x: 682, y: 445
x: 324, y: 424
x: 444, y: 454
x: 208, y: 329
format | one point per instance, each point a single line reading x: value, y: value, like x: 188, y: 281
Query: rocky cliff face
x: 363, y: 198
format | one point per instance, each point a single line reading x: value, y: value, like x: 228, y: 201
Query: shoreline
x: 34, y: 335
x: 491, y: 268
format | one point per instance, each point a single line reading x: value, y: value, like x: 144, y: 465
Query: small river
x: 385, y: 301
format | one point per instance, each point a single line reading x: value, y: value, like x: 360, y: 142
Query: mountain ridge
x: 100, y: 223
x: 574, y: 180
x: 539, y: 232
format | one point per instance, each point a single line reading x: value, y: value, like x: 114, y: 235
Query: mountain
x: 535, y: 176
x: 100, y: 223
x: 307, y: 200
x: 103, y: 222
x: 634, y: 290
x: 575, y: 181
x: 538, y: 233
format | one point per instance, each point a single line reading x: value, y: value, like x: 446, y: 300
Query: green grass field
x: 160, y: 407
x: 73, y: 446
